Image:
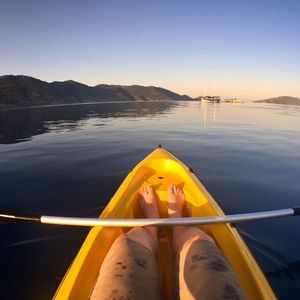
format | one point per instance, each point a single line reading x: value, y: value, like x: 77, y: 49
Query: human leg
x: 203, y: 271
x: 129, y: 270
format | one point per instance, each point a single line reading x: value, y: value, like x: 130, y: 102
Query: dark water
x: 70, y: 160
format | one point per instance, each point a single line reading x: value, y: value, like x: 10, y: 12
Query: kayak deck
x: 159, y: 169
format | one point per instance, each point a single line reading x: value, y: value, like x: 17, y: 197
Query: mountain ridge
x: 281, y: 100
x: 24, y: 91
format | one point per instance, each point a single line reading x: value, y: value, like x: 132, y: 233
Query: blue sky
x: 248, y: 49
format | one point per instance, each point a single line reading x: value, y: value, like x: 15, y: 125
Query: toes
x: 174, y: 189
x: 171, y: 188
x: 143, y: 190
x: 147, y: 191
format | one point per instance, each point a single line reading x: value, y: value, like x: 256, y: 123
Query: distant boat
x: 211, y: 99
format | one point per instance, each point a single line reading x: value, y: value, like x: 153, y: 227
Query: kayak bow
x: 159, y: 169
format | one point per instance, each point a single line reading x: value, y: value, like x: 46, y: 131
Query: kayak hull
x: 159, y: 169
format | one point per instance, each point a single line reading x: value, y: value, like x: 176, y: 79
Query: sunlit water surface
x: 70, y: 160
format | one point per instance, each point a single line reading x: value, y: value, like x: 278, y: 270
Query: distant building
x: 232, y: 100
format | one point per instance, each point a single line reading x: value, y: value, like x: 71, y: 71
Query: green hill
x: 23, y: 91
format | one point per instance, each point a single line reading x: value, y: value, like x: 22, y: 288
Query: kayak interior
x: 159, y: 169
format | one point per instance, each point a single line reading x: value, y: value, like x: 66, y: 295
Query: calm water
x: 70, y: 160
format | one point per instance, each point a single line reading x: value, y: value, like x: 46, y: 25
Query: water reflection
x: 21, y: 125
x: 209, y: 114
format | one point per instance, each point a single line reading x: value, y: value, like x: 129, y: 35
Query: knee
x: 188, y: 236
x: 142, y: 237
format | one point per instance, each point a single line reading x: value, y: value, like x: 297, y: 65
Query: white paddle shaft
x: 166, y: 222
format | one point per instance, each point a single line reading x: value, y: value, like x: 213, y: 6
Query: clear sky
x: 245, y: 48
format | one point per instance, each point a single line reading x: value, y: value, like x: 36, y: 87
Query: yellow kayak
x: 159, y: 169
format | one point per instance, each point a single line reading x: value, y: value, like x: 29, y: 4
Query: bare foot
x: 148, y: 202
x: 182, y: 235
x: 176, y: 201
